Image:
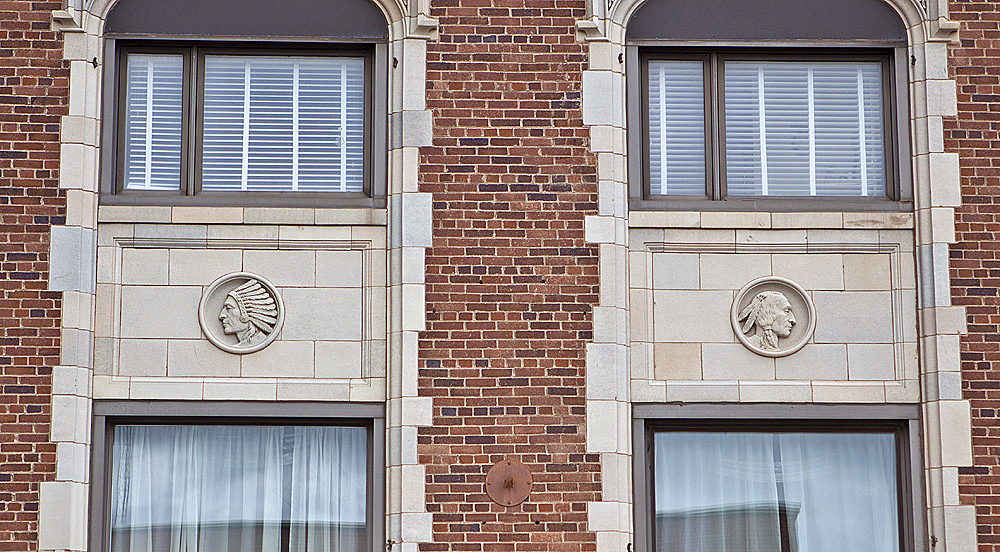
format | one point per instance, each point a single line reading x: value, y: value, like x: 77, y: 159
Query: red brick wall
x: 34, y: 83
x: 510, y: 279
x: 975, y: 262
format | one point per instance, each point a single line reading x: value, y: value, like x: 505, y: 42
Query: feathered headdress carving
x: 256, y: 305
x: 753, y: 314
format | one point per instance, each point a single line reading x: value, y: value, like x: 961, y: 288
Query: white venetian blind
x: 676, y: 127
x: 804, y: 129
x: 283, y: 124
x: 153, y: 116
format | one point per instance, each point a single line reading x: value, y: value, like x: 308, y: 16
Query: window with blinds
x: 275, y: 123
x: 807, y: 128
x: 153, y: 121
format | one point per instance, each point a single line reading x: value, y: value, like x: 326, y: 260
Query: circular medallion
x: 508, y: 483
x: 241, y: 313
x: 773, y: 317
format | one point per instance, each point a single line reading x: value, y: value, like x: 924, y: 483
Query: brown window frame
x: 111, y: 413
x: 902, y: 420
x: 898, y: 195
x: 189, y: 190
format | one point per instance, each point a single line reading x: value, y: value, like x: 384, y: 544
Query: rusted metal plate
x: 508, y: 483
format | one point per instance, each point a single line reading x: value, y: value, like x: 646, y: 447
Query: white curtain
x: 238, y: 488
x: 775, y: 492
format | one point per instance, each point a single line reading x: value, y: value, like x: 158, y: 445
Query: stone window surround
x: 110, y: 413
x: 945, y: 417
x: 406, y: 216
x: 647, y: 416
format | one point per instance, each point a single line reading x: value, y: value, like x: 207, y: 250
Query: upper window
x: 279, y: 123
x: 224, y: 117
x: 761, y: 122
x: 803, y: 127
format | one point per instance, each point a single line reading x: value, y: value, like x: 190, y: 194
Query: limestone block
x: 807, y: 220
x: 142, y: 357
x: 62, y: 515
x: 282, y: 267
x: 867, y: 361
x: 850, y: 393
x: 240, y: 391
x: 677, y: 361
x: 853, y: 317
x: 160, y: 311
x: 716, y: 391
x: 733, y: 361
x: 692, y: 316
x: 172, y: 389
x: 200, y: 267
x: 817, y: 271
x: 198, y: 357
x: 866, y: 271
x: 815, y: 361
x: 732, y: 271
x: 306, y: 390
x: 675, y: 271
x: 281, y: 359
x: 775, y: 392
x: 339, y: 359
x: 339, y: 269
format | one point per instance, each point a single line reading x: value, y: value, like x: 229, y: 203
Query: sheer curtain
x: 238, y: 488
x: 775, y: 492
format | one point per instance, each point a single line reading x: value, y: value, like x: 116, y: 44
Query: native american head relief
x: 241, y: 313
x: 250, y: 312
x: 769, y: 315
x: 773, y: 316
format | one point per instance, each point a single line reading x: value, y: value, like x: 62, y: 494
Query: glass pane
x: 283, y: 124
x: 153, y: 104
x: 676, y: 127
x: 775, y: 492
x: 804, y: 129
x: 238, y: 488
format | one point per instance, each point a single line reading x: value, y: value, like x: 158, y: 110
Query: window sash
x: 761, y: 491
x: 298, y: 123
x: 153, y: 121
x: 210, y: 487
x: 826, y: 127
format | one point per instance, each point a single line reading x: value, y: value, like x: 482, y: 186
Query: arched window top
x: 342, y: 19
x: 770, y: 20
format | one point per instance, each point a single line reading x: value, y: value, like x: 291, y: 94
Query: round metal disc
x: 508, y: 483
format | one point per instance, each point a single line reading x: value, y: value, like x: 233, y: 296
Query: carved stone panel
x: 241, y: 313
x: 773, y: 317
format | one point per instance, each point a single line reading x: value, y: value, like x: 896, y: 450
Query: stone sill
x: 242, y: 215
x: 758, y: 220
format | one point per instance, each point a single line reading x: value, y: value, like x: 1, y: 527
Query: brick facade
x: 34, y: 86
x: 974, y: 259
x: 510, y: 279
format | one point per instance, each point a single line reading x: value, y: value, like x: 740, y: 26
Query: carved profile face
x: 784, y: 318
x: 232, y: 320
x: 773, y: 316
x: 241, y: 313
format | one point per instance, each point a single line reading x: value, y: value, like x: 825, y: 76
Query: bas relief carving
x: 773, y: 316
x: 241, y: 313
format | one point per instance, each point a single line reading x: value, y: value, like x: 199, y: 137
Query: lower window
x: 770, y: 486
x: 237, y: 484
